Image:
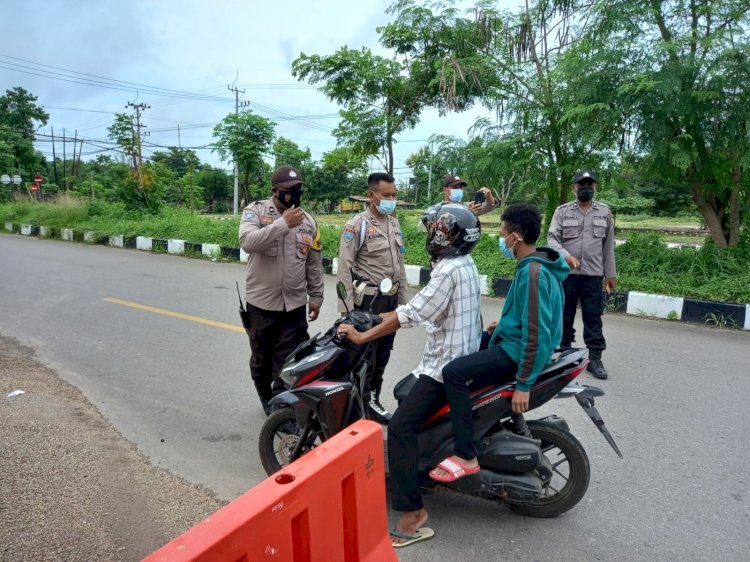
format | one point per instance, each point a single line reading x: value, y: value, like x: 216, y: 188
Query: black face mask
x: 290, y: 198
x: 585, y: 194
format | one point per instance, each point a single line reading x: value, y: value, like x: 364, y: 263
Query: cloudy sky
x: 85, y: 59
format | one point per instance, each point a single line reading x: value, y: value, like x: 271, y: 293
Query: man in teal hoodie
x: 522, y: 343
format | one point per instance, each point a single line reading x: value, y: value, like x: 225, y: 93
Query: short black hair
x: 523, y: 219
x: 376, y: 177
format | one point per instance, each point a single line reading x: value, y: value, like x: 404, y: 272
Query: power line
x: 84, y: 78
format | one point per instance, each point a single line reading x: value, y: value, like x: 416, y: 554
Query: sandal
x: 421, y: 534
x: 455, y: 471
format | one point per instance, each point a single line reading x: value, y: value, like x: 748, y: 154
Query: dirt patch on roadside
x: 72, y: 488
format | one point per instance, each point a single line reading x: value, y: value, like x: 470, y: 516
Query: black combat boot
x: 375, y: 411
x: 595, y: 366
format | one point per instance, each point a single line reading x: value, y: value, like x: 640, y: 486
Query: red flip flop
x: 455, y: 471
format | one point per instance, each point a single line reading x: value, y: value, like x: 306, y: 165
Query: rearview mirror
x: 341, y: 290
x: 385, y: 286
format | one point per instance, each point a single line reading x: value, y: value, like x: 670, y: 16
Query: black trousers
x: 425, y: 398
x: 472, y: 372
x: 273, y: 334
x: 586, y: 289
x: 382, y: 346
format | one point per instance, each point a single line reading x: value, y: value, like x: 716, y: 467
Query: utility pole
x: 429, y: 179
x: 138, y: 108
x: 80, y: 150
x: 73, y: 161
x: 179, y: 142
x: 54, y: 157
x: 237, y: 93
x: 64, y: 162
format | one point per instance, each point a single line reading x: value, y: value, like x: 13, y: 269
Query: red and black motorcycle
x: 537, y: 468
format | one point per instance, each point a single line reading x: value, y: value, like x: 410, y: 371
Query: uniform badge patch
x: 348, y: 234
x: 249, y: 215
x: 267, y: 220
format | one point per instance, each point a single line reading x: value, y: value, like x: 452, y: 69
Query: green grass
x: 645, y: 221
x: 644, y: 263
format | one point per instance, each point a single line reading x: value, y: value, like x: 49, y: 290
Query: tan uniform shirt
x: 588, y: 235
x: 380, y: 254
x: 284, y: 265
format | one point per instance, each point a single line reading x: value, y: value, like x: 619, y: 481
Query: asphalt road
x: 180, y: 391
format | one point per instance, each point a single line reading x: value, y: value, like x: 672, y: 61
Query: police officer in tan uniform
x: 284, y: 275
x: 583, y: 232
x: 453, y: 191
x: 372, y: 249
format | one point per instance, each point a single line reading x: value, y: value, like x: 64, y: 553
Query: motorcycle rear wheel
x: 278, y: 437
x: 571, y: 472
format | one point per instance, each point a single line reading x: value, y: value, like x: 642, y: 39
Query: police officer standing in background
x: 372, y: 249
x: 583, y: 231
x: 284, y: 267
x: 453, y: 192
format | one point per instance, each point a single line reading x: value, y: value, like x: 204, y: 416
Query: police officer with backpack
x: 372, y: 249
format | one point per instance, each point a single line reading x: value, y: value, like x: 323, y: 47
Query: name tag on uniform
x: 267, y: 220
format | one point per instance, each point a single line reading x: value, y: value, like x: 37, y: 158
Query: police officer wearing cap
x: 284, y: 275
x: 372, y: 249
x: 583, y: 231
x: 453, y: 192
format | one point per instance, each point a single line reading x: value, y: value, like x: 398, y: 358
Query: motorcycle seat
x: 562, y: 360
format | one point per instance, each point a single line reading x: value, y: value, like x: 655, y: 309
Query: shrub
x: 644, y: 263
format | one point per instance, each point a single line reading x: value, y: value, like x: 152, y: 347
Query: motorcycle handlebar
x: 361, y: 320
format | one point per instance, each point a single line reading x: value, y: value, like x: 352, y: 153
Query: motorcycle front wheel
x: 570, y: 472
x: 278, y: 438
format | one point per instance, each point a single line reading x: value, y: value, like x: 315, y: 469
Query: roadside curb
x: 684, y: 309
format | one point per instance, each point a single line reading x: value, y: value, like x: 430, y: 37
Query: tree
x: 342, y: 173
x: 374, y: 94
x: 518, y: 65
x: 122, y: 132
x: 504, y: 165
x: 247, y: 138
x: 420, y: 163
x: 19, y: 119
x: 216, y: 185
x: 180, y: 160
x: 686, y: 92
x: 288, y: 153
x: 381, y: 97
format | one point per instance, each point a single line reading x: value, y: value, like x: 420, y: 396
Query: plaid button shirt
x: 448, y: 307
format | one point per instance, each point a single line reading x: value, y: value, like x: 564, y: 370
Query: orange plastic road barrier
x: 328, y: 506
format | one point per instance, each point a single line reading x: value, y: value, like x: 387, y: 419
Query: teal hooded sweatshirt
x: 530, y: 327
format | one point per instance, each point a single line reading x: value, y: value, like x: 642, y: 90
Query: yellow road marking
x: 174, y: 314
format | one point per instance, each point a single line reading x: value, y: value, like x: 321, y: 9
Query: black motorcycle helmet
x: 452, y: 230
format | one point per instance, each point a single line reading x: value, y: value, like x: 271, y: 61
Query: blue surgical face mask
x: 386, y: 206
x: 507, y: 252
x: 456, y: 195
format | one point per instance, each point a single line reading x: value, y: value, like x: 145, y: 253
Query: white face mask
x: 456, y: 195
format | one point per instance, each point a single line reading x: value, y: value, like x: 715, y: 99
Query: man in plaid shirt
x: 448, y: 307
